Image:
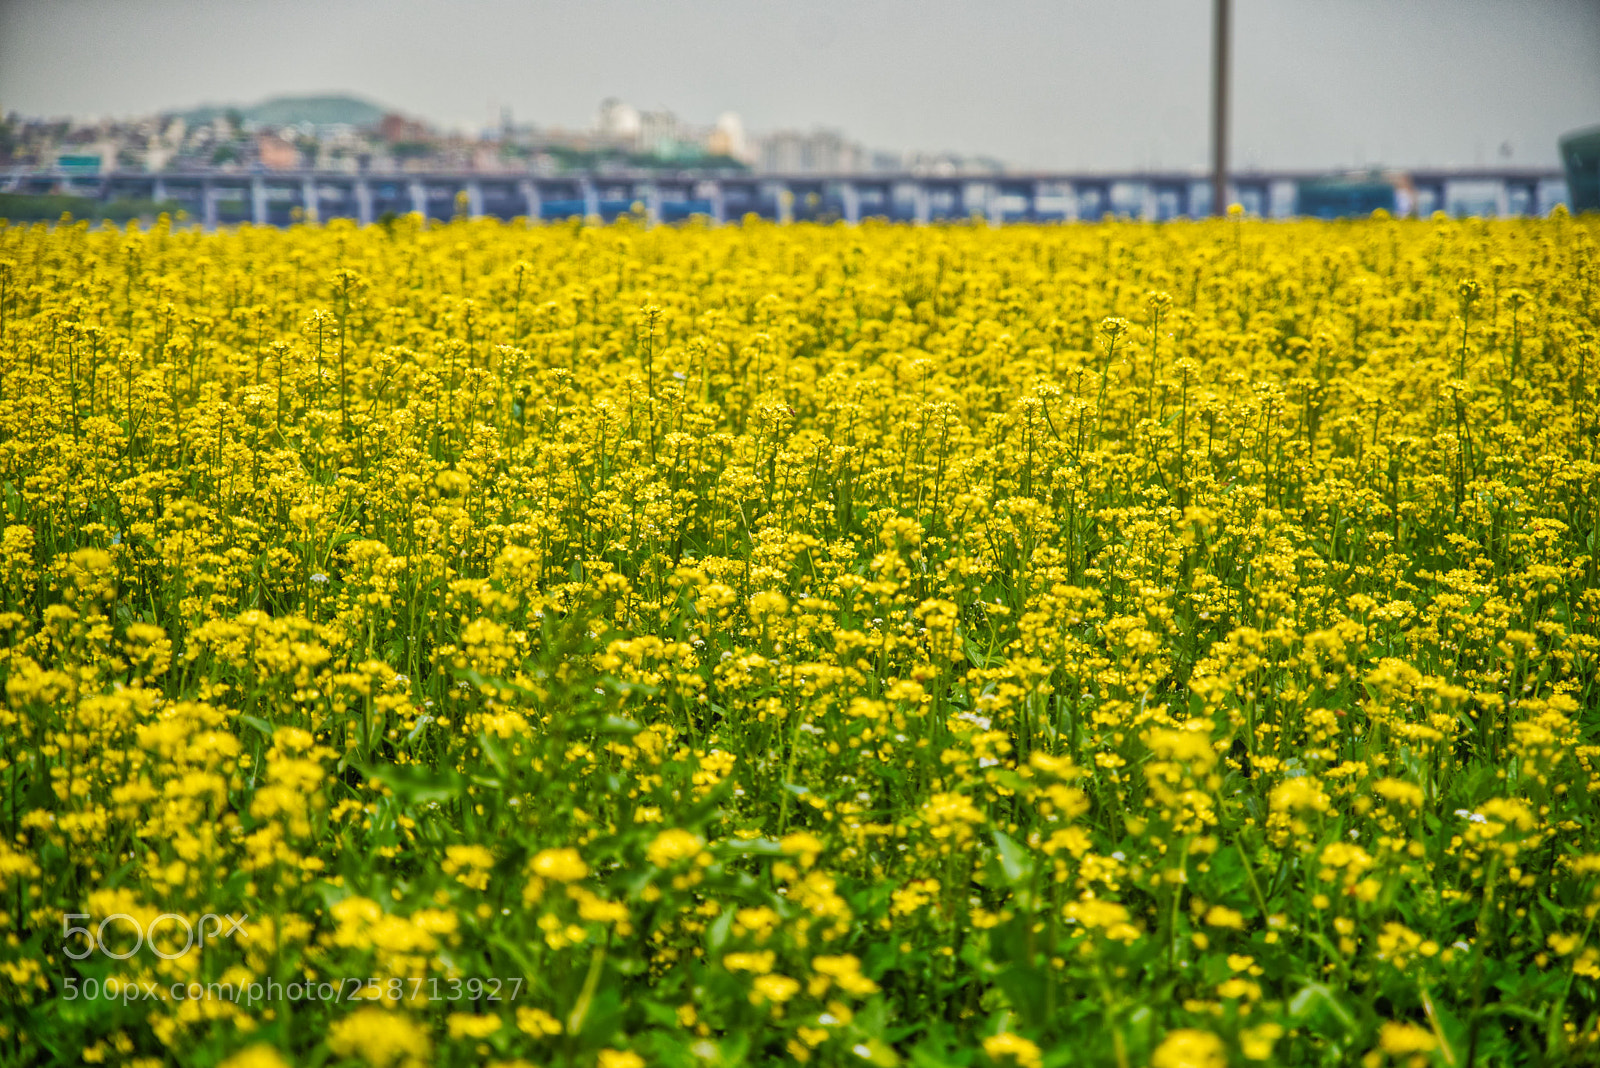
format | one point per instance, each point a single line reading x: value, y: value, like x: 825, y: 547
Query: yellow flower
x: 1257, y: 1042
x: 537, y: 1022
x: 1019, y: 1050
x: 259, y: 1055
x: 467, y: 1025
x: 619, y: 1058
x: 380, y: 1038
x: 1188, y: 1048
x: 759, y: 963
x: 671, y: 846
x: 470, y: 865
x: 1398, y: 1039
x: 776, y: 988
x: 804, y: 844
x: 562, y: 865
x: 845, y: 970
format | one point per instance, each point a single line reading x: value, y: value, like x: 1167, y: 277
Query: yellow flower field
x: 1115, y: 644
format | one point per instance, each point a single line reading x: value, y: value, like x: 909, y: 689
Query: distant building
x: 396, y: 128
x: 1580, y: 157
x: 820, y: 151
x: 658, y: 133
x: 618, y: 121
x: 1350, y: 196
x: 728, y: 139
x: 79, y: 162
x: 275, y: 153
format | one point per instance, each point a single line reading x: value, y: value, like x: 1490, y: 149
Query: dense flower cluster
x: 1120, y: 644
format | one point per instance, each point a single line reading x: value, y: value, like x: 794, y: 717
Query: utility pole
x: 1219, y: 108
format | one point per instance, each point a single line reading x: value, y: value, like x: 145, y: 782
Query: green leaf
x: 414, y: 784
x: 1014, y: 860
x: 717, y: 933
x: 1024, y: 986
x: 258, y: 723
x: 491, y: 749
x: 759, y: 847
x: 1304, y: 1004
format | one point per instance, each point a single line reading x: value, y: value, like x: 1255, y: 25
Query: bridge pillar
x: 994, y: 212
x: 591, y: 200
x: 258, y: 201
x: 921, y: 204
x: 158, y: 192
x: 308, y: 199
x: 1438, y: 192
x: 1069, y: 199
x: 419, y: 198
x: 652, y: 204
x: 363, y: 192
x: 785, y: 203
x: 474, y: 198
x: 1149, y: 205
x: 208, y: 204
x: 850, y: 193
x: 719, y: 203
x: 530, y: 196
x: 1102, y: 197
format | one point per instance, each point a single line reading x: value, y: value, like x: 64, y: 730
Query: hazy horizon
x: 1090, y: 84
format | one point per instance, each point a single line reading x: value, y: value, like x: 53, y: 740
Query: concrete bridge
x: 281, y: 197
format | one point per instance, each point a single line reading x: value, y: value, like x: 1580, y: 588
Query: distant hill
x: 291, y: 110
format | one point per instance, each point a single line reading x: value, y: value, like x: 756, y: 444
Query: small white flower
x: 987, y: 762
x: 319, y: 578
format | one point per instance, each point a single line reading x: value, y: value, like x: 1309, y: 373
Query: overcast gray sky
x: 1068, y: 83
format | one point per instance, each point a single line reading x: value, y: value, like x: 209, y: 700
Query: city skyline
x: 1336, y: 83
